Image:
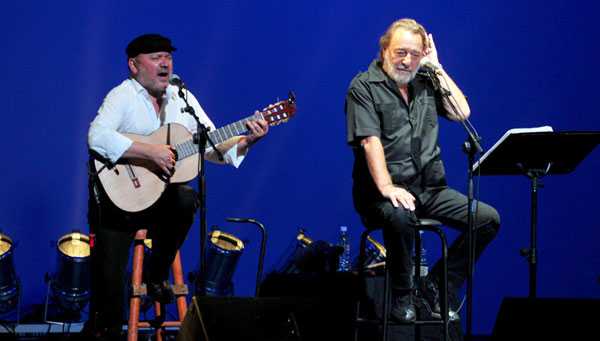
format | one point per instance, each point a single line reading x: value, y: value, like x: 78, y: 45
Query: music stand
x: 536, y: 154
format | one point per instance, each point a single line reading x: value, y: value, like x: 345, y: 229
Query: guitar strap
x: 93, y: 181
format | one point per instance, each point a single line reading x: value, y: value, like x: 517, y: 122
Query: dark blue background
x: 521, y: 63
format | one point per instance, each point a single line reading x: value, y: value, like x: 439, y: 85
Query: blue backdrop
x: 522, y: 64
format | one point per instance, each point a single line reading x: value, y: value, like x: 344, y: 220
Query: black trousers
x: 167, y: 221
x: 442, y: 203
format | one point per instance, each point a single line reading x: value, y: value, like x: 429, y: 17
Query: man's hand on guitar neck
x: 162, y: 155
x: 257, y: 129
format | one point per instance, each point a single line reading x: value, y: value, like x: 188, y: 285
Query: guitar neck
x: 189, y: 148
x: 233, y: 129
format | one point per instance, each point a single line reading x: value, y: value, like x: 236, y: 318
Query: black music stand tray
x: 536, y: 154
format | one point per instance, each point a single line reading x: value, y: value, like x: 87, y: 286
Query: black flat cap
x: 148, y: 43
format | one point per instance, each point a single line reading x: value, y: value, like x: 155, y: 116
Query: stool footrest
x: 139, y: 290
x: 362, y: 320
x: 178, y: 290
x: 145, y: 324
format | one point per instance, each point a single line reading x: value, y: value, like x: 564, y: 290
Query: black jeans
x: 441, y: 203
x: 167, y: 221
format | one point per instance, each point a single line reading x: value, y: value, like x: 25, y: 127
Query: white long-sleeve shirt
x: 127, y: 109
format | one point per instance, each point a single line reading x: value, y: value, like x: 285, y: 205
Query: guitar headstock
x: 281, y: 111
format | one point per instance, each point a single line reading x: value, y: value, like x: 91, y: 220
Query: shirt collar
x: 137, y: 86
x: 376, y: 73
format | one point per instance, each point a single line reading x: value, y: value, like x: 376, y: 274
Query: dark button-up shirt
x: 408, y: 131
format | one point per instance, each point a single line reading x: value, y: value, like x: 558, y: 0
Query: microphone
x: 428, y: 66
x: 175, y: 80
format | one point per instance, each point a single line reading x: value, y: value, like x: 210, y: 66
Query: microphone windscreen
x: 174, y: 79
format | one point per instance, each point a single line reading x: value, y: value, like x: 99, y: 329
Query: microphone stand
x: 200, y: 138
x: 471, y: 146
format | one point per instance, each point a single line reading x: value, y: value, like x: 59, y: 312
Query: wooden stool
x: 139, y: 290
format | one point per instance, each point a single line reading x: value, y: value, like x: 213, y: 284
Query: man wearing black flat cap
x: 141, y: 104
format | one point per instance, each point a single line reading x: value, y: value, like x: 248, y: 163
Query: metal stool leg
x: 417, y: 274
x: 432, y: 225
x: 443, y: 283
x: 386, y: 289
x: 361, y: 269
x: 386, y: 303
x: 425, y: 225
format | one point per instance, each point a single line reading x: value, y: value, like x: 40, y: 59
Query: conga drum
x: 71, y: 280
x: 223, y: 253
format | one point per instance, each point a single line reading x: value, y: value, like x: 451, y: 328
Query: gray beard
x: 392, y: 72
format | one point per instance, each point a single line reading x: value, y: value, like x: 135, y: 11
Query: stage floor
x: 58, y: 332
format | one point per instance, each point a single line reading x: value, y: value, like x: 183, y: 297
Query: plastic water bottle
x: 424, y: 265
x: 344, y: 242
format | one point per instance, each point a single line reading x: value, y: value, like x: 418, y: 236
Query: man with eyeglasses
x: 392, y: 127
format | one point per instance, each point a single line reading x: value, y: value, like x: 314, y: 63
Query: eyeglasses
x: 404, y: 53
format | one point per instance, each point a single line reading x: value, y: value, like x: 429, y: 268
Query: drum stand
x: 262, y: 248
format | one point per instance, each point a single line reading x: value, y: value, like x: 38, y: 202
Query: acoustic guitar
x: 135, y: 184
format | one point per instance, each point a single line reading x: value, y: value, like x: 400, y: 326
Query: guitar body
x: 135, y: 184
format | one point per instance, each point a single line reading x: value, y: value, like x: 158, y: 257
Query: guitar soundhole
x: 176, y: 155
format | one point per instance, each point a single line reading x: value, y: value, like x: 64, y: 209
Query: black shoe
x: 161, y: 292
x: 404, y: 309
x: 431, y: 295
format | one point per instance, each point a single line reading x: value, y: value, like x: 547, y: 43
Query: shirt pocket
x: 391, y: 120
x: 429, y: 110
